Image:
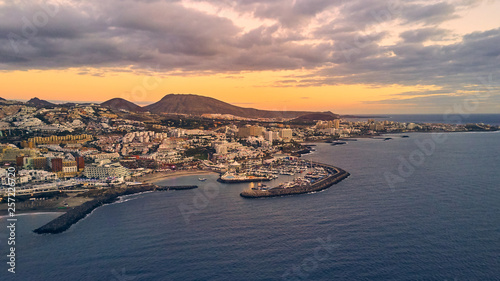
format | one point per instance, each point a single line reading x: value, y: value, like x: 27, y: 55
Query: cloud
x: 430, y: 14
x: 478, y: 54
x: 340, y: 42
x: 424, y: 34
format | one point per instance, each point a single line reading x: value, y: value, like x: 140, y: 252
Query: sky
x: 348, y: 57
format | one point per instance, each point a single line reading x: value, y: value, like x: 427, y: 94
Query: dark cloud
x: 342, y: 41
x: 424, y: 34
x: 413, y: 64
x: 429, y: 14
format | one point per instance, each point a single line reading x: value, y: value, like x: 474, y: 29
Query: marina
x: 320, y: 176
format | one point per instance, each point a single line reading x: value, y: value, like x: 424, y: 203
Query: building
x: 80, y: 163
x: 69, y: 167
x: 20, y: 161
x: 56, y: 165
x: 60, y: 139
x: 411, y: 126
x: 9, y: 153
x: 250, y: 131
x: 336, y: 123
x: 286, y: 134
x: 40, y: 163
x: 104, y: 170
x: 268, y: 135
x: 377, y: 126
x: 26, y: 144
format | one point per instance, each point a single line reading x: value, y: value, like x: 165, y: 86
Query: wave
x: 29, y: 214
x: 126, y: 198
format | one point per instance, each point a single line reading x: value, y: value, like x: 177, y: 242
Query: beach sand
x: 159, y: 176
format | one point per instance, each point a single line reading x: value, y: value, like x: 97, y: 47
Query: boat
x: 338, y: 142
x: 237, y: 178
x: 202, y: 179
x: 405, y: 136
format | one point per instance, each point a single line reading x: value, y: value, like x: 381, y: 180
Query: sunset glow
x: 347, y: 57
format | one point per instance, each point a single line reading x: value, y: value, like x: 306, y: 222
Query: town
x: 76, y: 147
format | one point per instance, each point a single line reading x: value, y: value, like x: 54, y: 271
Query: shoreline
x: 397, y: 133
x: 52, y: 204
x: 74, y: 215
x: 159, y: 176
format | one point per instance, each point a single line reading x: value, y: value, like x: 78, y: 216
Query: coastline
x: 159, y: 176
x: 73, y: 215
x: 72, y: 200
x: 108, y: 196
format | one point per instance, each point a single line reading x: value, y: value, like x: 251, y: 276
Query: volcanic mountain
x: 119, y: 103
x: 315, y: 116
x: 198, y: 105
x: 39, y: 103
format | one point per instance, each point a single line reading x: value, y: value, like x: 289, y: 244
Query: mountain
x: 39, y: 103
x: 119, y: 103
x: 198, y: 105
x: 314, y: 117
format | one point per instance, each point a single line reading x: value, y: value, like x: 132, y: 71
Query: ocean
x: 490, y: 119
x: 425, y: 207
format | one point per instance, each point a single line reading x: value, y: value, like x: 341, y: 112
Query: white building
x: 286, y: 134
x: 269, y: 136
x: 103, y: 170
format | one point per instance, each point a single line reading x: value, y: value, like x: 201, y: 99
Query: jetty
x: 335, y: 175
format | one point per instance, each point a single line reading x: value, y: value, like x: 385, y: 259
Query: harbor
x: 319, y: 176
x: 271, y: 170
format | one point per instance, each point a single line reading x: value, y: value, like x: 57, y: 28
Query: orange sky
x: 253, y: 89
x: 258, y: 88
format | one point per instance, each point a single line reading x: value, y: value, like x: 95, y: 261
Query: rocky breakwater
x: 335, y: 175
x: 72, y: 216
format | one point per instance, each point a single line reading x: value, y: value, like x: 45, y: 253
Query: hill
x: 314, y: 117
x: 198, y: 105
x: 119, y: 103
x: 39, y: 103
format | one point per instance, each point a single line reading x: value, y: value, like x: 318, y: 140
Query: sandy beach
x: 158, y: 176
